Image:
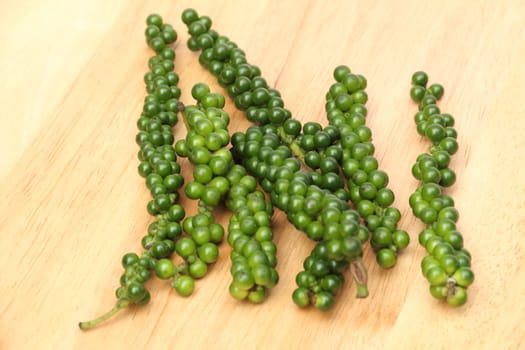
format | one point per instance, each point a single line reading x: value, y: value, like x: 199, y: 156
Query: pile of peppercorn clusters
x: 325, y: 178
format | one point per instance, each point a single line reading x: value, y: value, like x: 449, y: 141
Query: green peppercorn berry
x: 351, y: 82
x: 154, y: 20
x: 198, y: 269
x: 136, y: 291
x: 428, y: 215
x: 366, y: 208
x: 373, y: 222
x: 449, y: 145
x: 199, y: 90
x: 206, y: 21
x: 437, y: 90
x: 169, y: 35
x: 435, y: 132
x: 432, y: 242
x: 417, y: 93
x: 432, y: 112
x: 164, y: 269
x: 324, y: 301
x: 436, y: 276
x: 420, y: 78
x: 448, y: 119
x: 386, y: 258
x: 463, y: 277
x: 157, y: 44
x: 196, y: 28
x: 427, y: 100
x: 334, y: 249
x: 430, y: 175
x: 163, y: 168
x: 243, y: 279
x: 385, y: 197
x: 344, y: 102
x: 332, y: 182
x: 430, y: 191
x: 463, y: 260
x: 449, y: 213
x: 367, y: 191
x: 201, y: 234
x: 458, y: 298
x: 382, y: 237
x: 211, y: 196
x: 340, y: 72
x: 208, y: 253
x: 448, y: 177
x: 360, y: 96
x: 320, y: 267
x: 322, y: 140
x: 427, y: 263
x: 129, y: 259
x: 351, y: 247
x: 444, y: 226
x: 193, y: 45
x: 438, y: 292
x: 401, y: 239
x: 378, y: 178
x: 185, y: 247
x: 162, y: 202
x: 304, y: 279
x: 447, y: 201
x: 173, y: 182
x: 331, y: 283
x: 152, y: 31
x: 205, y: 41
x: 202, y: 173
x: 292, y: 127
x: 238, y: 293
x: 194, y: 190
x: 257, y: 296
x: 421, y: 127
x: 174, y: 230
x: 300, y: 297
x: 184, y: 285
x: 449, y: 263
x: 169, y: 54
x: 442, y: 249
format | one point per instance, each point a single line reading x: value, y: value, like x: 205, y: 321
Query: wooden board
x: 72, y: 202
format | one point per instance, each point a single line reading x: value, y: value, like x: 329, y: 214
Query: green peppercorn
x: 420, y: 78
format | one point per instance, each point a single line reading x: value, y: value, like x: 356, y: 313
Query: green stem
x: 121, y: 304
x: 290, y: 142
x: 360, y: 275
x: 182, y: 268
x: 182, y: 110
x: 297, y: 151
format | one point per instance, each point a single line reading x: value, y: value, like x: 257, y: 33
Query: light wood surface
x: 72, y: 202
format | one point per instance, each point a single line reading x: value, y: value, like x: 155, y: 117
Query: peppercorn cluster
x: 346, y: 111
x: 217, y: 179
x: 447, y: 265
x: 158, y: 163
x: 250, y: 236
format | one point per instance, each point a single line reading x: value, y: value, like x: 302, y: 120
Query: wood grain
x: 73, y: 203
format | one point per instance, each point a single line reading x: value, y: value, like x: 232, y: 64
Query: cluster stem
x: 121, y: 304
